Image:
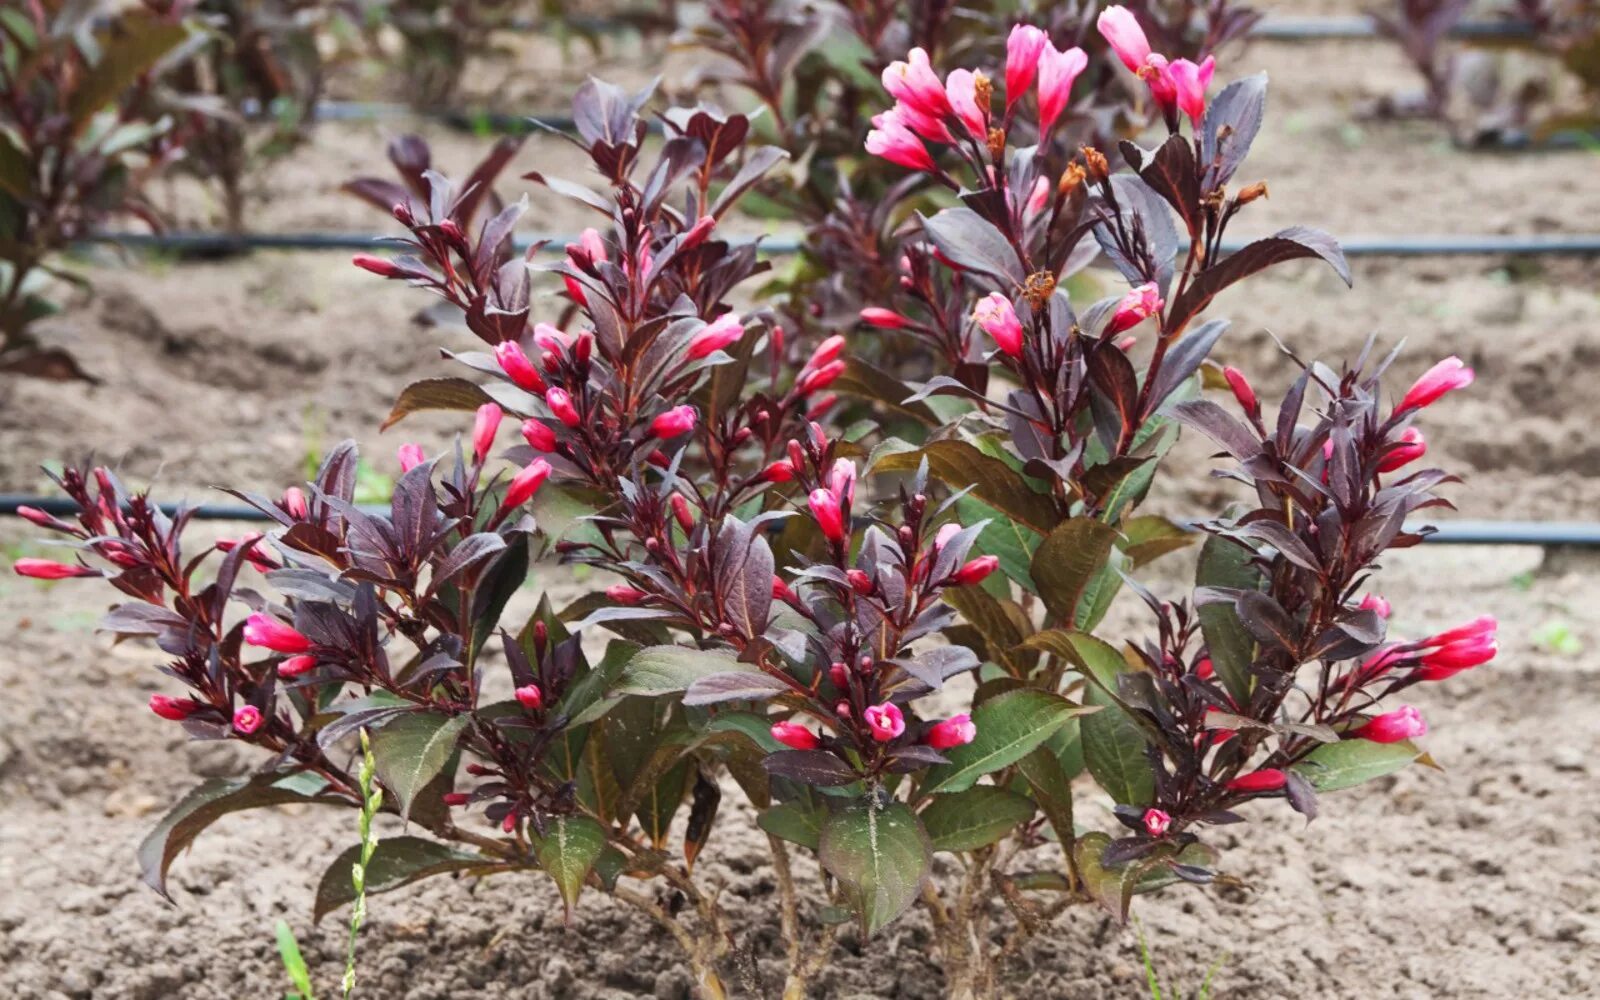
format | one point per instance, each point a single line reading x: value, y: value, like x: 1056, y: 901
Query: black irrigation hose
x: 223, y: 244
x: 1317, y: 29
x: 1540, y: 533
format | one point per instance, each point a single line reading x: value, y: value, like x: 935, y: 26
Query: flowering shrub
x: 791, y: 598
x: 77, y: 141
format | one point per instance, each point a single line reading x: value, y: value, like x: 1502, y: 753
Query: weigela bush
x: 791, y: 596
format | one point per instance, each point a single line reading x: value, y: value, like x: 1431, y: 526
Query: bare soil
x: 1477, y: 881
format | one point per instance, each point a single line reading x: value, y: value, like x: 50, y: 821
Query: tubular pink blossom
x: 294, y: 502
x: 1057, y: 71
x: 795, y: 736
x: 294, y: 666
x: 884, y: 319
x: 1480, y: 627
x: 886, y: 721
x: 780, y: 590
x: 778, y: 472
x: 842, y: 480
x: 173, y: 709
x: 1268, y: 779
x: 914, y: 82
x: 826, y: 352
x: 518, y: 368
x: 829, y: 517
x: 1242, y: 390
x: 893, y: 140
x: 525, y: 484
x: 721, y: 332
x: 1138, y: 305
x: 47, y: 569
x: 1121, y: 30
x: 539, y: 435
x: 269, y: 633
x: 246, y: 720
x: 1404, y: 723
x: 947, y: 531
x: 1023, y: 47
x: 676, y: 421
x: 529, y: 697
x: 1038, y: 199
x: 998, y: 318
x: 962, y: 89
x: 1412, y: 446
x: 859, y: 581
x: 593, y: 244
x: 1375, y: 602
x: 1156, y: 822
x: 484, y: 427
x: 1447, y: 375
x: 955, y: 731
x: 1447, y: 661
x: 383, y: 267
x: 1157, y: 75
x: 821, y: 378
x: 560, y: 404
x: 976, y: 571
x: 1190, y: 82
x: 697, y: 233
x: 411, y: 456
x: 624, y: 594
x: 35, y: 516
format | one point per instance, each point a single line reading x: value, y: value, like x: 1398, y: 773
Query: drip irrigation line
x: 1538, y: 533
x: 222, y: 244
x: 1317, y: 29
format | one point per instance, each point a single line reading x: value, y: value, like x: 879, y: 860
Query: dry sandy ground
x: 1478, y: 881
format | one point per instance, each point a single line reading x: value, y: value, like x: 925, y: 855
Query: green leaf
x: 140, y: 43
x: 412, y: 749
x: 293, y: 962
x: 977, y: 817
x: 586, y: 700
x: 208, y: 802
x: 1114, y: 751
x: 506, y: 574
x: 1149, y: 537
x: 1101, y: 591
x: 1224, y: 563
x: 1052, y: 789
x: 863, y: 381
x: 881, y: 855
x: 569, y: 849
x: 1112, y: 888
x: 397, y: 862
x: 1334, y: 766
x: 960, y: 465
x: 1010, y: 725
x: 657, y: 670
x: 436, y: 394
x: 1000, y: 623
x: 799, y: 822
x: 15, y: 172
x: 1067, y: 560
x: 1093, y: 657
x: 1160, y: 876
x: 1012, y: 542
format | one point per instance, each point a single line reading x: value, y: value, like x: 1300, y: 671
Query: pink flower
x: 624, y: 594
x: 592, y: 244
x: 294, y: 666
x: 962, y: 89
x: 1451, y: 373
x: 780, y: 590
x: 1023, y: 47
x: 383, y: 267
x: 859, y: 581
x: 827, y: 352
x: 1038, y: 199
x: 1205, y: 669
x: 560, y: 403
x: 1447, y: 661
x: 947, y: 531
x: 795, y: 736
x: 1268, y: 779
x: 269, y: 633
x: 1483, y: 626
x: 484, y: 427
x: 884, y: 319
x: 829, y: 517
x: 539, y: 435
x: 682, y: 513
x: 1190, y: 81
x: 549, y: 337
x: 173, y: 709
x: 955, y: 731
x: 1242, y: 390
x: 294, y: 502
x: 1138, y: 305
x: 46, y: 569
x: 914, y: 83
x: 976, y: 571
x: 1404, y: 723
x: 1057, y: 71
x: 525, y: 484
x: 995, y: 314
x: 1121, y: 30
x: 1156, y: 822
x: 529, y: 697
x: 456, y: 799
x: 521, y: 371
x: 842, y: 479
x: 1374, y: 602
x: 1412, y: 446
x: 411, y: 456
x: 820, y: 378
x: 1157, y: 75
x: 778, y: 472
x: 697, y: 233
x: 676, y: 421
x: 722, y: 331
x: 892, y: 139
x: 246, y: 720
x: 886, y: 721
x: 35, y: 516
x: 839, y: 676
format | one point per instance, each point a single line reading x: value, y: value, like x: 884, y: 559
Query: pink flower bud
x: 269, y: 633
x: 294, y: 502
x: 1057, y: 71
x: 1483, y: 626
x: 839, y: 675
x: 456, y: 799
x: 1447, y: 661
x: 886, y: 721
x: 560, y: 404
x: 525, y: 484
x: 530, y: 697
x: 722, y: 331
x: 593, y: 244
x: 795, y: 736
x: 893, y: 140
x: 1190, y: 81
x: 976, y: 571
x: 860, y: 582
x: 946, y: 532
x: 697, y: 233
x: 1404, y: 723
x: 826, y: 352
x: 780, y: 590
x: 962, y: 89
x: 575, y: 290
x: 995, y: 314
x: 778, y: 472
x: 1121, y: 30
x: 383, y: 267
x: 1412, y: 446
x: 294, y: 666
x: 819, y: 378
x: 173, y: 709
x: 246, y: 720
x: 1038, y: 199
x: 842, y: 479
x: 914, y: 83
x: 46, y: 569
x: 521, y: 371
x: 539, y: 435
x: 1268, y: 779
x: 1374, y: 602
x: 1242, y: 390
x: 411, y: 456
x: 1156, y: 822
x: 884, y: 319
x: 1443, y: 377
x: 825, y: 509
x: 676, y: 421
x: 682, y: 513
x: 624, y: 594
x: 1205, y: 669
x: 958, y: 730
x: 484, y: 426
x: 35, y: 516
x: 1138, y: 305
x: 1023, y: 47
